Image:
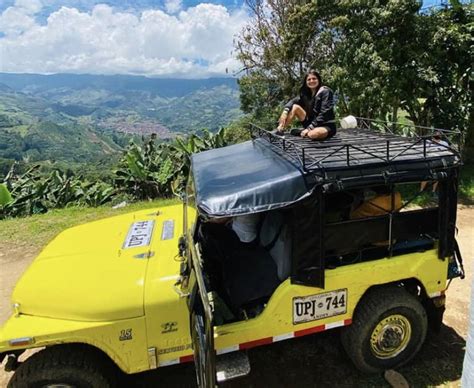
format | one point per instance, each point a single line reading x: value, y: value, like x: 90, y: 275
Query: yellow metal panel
x: 85, y: 274
x: 124, y: 341
x: 167, y: 314
x: 87, y: 277
x: 277, y: 318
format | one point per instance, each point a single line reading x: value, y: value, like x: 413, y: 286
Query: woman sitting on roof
x: 314, y: 107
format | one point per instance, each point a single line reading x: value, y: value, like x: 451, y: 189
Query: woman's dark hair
x: 304, y: 90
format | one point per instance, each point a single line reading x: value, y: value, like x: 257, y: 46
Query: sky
x: 160, y: 38
x: 164, y: 38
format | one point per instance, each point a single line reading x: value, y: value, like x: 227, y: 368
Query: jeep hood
x: 90, y: 272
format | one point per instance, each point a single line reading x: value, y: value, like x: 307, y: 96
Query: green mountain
x: 165, y: 87
x: 32, y: 130
x: 176, y: 105
x: 88, y: 118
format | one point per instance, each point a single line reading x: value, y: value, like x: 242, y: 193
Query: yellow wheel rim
x: 390, y: 337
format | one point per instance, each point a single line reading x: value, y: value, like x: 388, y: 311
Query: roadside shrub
x: 146, y: 171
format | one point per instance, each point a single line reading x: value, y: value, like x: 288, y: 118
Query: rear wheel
x: 65, y: 366
x: 388, y: 329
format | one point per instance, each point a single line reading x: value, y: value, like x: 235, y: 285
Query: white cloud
x: 19, y: 18
x: 196, y: 42
x: 173, y: 6
x: 29, y: 6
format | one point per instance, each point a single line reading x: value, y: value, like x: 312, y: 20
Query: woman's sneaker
x: 278, y: 132
x: 296, y: 131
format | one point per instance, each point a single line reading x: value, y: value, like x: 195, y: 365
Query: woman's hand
x: 282, y: 120
x: 304, y: 132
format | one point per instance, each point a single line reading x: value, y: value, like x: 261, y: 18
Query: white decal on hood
x: 139, y: 234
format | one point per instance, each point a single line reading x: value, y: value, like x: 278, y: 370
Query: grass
x: 466, y: 190
x: 37, y: 230
x: 466, y: 184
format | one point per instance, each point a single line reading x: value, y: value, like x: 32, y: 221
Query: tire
x: 78, y: 366
x: 388, y: 329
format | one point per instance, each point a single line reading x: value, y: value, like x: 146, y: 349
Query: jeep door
x: 201, y: 324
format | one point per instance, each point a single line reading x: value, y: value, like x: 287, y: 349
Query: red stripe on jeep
x: 347, y: 322
x: 252, y: 344
x: 311, y: 330
x: 186, y: 358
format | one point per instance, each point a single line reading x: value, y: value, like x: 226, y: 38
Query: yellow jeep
x: 176, y: 284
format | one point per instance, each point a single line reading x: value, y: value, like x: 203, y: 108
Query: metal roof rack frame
x: 372, y: 143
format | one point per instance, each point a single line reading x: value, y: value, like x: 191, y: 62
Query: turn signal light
x: 22, y: 341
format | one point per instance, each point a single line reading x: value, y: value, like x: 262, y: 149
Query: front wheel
x: 65, y: 366
x: 388, y: 329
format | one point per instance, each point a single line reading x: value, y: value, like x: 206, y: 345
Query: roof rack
x: 372, y: 143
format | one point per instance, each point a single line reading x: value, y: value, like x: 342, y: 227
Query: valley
x: 87, y: 118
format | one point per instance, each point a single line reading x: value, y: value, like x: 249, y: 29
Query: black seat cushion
x: 249, y: 275
x: 410, y: 246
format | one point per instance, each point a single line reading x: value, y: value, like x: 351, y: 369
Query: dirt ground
x: 316, y: 360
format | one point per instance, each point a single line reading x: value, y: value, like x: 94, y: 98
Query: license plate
x: 139, y: 234
x: 314, y: 307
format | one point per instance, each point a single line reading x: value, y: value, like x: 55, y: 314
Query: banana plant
x: 62, y: 189
x: 145, y: 171
x: 5, y: 196
x: 97, y: 194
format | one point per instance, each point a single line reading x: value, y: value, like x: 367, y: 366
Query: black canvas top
x: 273, y: 171
x: 245, y: 178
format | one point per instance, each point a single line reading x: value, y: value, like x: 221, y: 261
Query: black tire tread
x: 373, y: 304
x: 49, y: 361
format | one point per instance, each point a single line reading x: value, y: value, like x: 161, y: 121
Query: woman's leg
x: 318, y: 133
x: 296, y: 111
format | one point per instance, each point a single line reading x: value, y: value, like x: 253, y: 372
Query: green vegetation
x: 155, y: 170
x: 146, y: 171
x: 40, y: 229
x: 5, y: 196
x: 379, y: 58
x: 31, y: 131
x: 77, y: 120
x: 208, y: 108
x: 466, y: 184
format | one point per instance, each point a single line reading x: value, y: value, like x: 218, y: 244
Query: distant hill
x: 169, y: 87
x: 5, y: 88
x: 80, y: 118
x: 174, y: 104
x: 31, y: 130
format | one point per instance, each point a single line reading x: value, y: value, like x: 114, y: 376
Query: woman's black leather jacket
x: 319, y: 109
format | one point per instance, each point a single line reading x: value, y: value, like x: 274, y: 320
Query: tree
x: 274, y: 49
x: 379, y: 57
x: 360, y: 49
x: 374, y: 51
x: 445, y: 87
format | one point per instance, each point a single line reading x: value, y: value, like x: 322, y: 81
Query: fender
x: 124, y: 341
